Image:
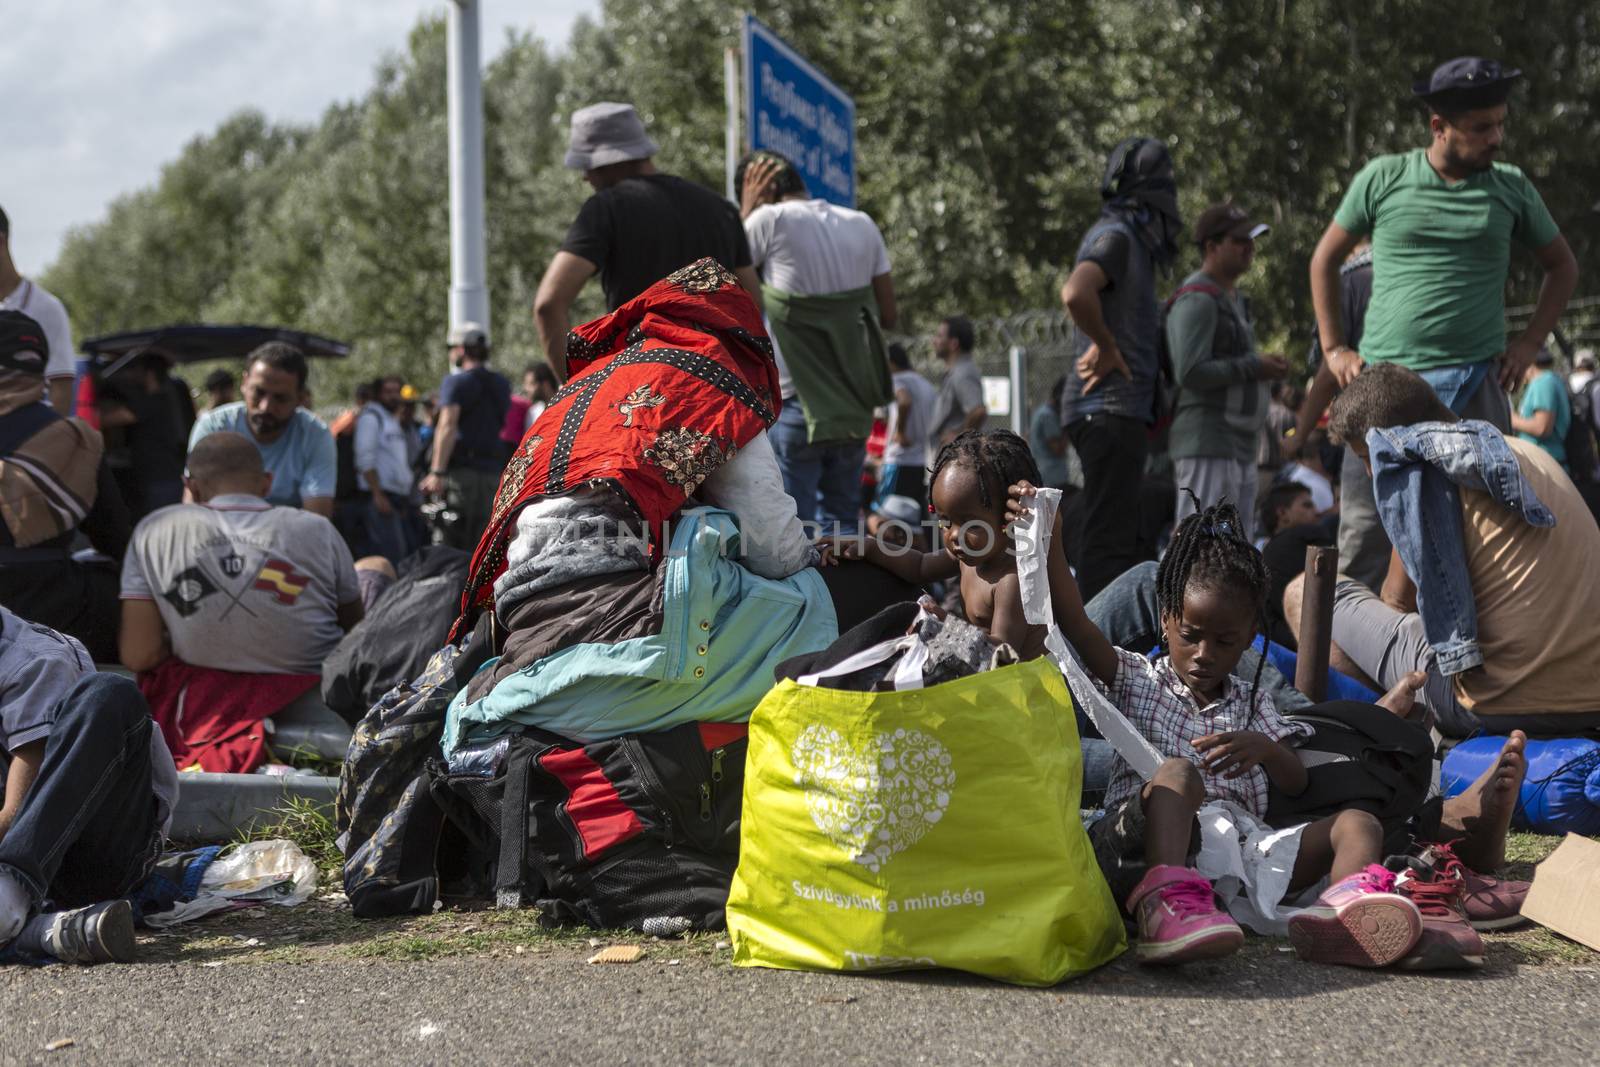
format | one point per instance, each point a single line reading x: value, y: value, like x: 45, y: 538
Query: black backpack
x: 1365, y: 757
x: 1580, y: 439
x: 636, y: 832
x: 402, y: 629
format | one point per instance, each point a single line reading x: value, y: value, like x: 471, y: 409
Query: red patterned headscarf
x: 662, y: 391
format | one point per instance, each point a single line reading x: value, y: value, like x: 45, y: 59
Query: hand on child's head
x: 1019, y: 501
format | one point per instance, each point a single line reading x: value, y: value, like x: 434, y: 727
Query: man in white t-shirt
x: 233, y: 583
x: 389, y: 522
x: 827, y: 293
x: 32, y: 299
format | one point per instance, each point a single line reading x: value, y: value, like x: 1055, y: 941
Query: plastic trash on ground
x: 256, y: 872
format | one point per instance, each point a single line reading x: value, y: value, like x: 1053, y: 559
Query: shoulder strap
x: 1197, y: 287
x: 509, y: 866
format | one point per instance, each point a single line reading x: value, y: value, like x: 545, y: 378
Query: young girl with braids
x: 1222, y: 739
x: 968, y: 494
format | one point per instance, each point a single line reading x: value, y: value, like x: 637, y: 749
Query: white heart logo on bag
x: 877, y: 801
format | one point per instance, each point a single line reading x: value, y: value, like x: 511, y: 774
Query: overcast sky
x: 97, y: 94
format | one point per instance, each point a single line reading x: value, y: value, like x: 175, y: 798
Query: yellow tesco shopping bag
x: 932, y: 827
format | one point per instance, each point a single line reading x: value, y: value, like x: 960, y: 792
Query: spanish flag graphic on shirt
x: 281, y: 580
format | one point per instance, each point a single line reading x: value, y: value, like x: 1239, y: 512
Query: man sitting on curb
x: 89, y: 788
x: 235, y: 601
x: 1491, y: 585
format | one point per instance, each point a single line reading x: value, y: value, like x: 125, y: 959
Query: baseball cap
x: 900, y: 508
x: 607, y: 133
x: 1544, y: 357
x: 1467, y: 82
x: 468, y: 334
x: 1584, y: 359
x: 23, y: 346
x: 1226, y: 220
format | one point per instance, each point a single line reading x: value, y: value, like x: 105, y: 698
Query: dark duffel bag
x: 635, y: 832
x: 1365, y: 757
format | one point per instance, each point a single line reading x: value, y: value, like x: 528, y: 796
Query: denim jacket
x: 1417, y: 474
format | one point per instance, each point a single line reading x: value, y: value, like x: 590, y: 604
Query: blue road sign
x: 791, y: 107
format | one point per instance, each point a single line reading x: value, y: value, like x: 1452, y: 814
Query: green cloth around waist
x: 835, y: 353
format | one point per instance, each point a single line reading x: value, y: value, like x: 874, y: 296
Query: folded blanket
x: 561, y: 539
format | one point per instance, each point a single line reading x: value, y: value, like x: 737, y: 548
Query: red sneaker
x: 1359, y: 922
x: 1436, y: 883
x: 1492, y: 903
x: 1178, y: 918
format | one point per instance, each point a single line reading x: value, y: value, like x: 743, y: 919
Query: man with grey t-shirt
x: 233, y: 583
x: 959, y: 406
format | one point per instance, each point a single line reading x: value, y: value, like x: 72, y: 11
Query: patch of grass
x: 1533, y: 946
x: 1524, y: 851
x: 455, y: 933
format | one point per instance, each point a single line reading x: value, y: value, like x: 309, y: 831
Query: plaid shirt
x: 1161, y: 708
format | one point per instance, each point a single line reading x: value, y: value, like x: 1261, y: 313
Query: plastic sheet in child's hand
x: 1033, y: 552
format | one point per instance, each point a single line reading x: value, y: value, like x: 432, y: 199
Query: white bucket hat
x: 603, y: 134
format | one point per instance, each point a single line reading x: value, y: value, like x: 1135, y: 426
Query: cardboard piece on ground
x: 1565, y: 887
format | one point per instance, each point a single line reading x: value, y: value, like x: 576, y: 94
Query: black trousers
x: 1112, y: 449
x: 87, y: 830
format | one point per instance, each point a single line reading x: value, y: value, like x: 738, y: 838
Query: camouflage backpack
x: 390, y: 828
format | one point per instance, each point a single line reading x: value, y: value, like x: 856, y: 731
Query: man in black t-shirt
x: 467, y: 454
x: 637, y: 228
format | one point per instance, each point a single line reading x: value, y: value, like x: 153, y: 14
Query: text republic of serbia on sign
x: 793, y: 109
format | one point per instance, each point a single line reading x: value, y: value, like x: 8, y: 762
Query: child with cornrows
x: 1222, y: 740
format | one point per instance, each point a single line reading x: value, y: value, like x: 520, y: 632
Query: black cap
x: 23, y: 346
x: 1468, y: 82
x: 1226, y: 220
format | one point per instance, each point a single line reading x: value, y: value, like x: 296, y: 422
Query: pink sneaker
x: 1178, y: 918
x: 1359, y: 922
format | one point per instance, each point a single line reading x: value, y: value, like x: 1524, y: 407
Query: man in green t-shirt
x: 1441, y: 220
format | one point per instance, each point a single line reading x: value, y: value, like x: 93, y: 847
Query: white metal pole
x: 730, y: 97
x: 1019, y: 390
x: 469, y: 299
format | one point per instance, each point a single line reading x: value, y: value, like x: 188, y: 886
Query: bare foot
x: 1480, y: 817
x: 1402, y: 699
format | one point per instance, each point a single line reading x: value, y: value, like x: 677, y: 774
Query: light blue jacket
x: 723, y: 631
x: 1417, y: 474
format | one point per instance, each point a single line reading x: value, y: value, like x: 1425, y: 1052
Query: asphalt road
x: 553, y: 1008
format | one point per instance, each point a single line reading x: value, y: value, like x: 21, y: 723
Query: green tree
x: 982, y: 131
